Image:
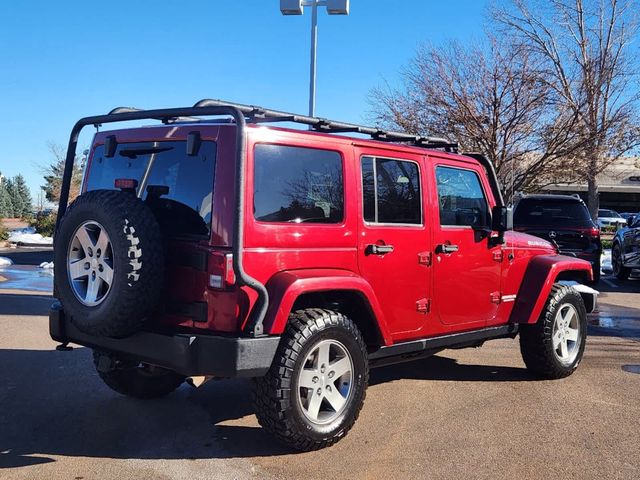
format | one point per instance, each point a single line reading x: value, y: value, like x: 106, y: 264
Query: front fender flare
x: 542, y: 272
x: 285, y: 287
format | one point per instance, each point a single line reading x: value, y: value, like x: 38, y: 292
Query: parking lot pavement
x: 471, y: 413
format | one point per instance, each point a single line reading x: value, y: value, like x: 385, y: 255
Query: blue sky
x: 64, y: 60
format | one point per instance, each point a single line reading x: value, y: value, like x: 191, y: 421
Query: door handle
x: 378, y: 249
x: 446, y: 248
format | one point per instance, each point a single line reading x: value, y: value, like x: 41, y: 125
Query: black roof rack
x: 256, y: 114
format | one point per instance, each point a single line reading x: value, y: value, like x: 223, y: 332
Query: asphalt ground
x: 473, y: 413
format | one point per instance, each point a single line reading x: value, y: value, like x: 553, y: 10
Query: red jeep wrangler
x: 217, y: 248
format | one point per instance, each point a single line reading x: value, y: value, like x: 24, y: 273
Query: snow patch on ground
x: 4, y: 261
x: 30, y: 238
x: 46, y: 265
x: 24, y: 230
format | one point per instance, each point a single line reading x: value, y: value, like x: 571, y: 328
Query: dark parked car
x: 625, y: 251
x: 629, y: 217
x: 564, y: 220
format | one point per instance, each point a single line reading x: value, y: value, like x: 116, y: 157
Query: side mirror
x: 501, y: 219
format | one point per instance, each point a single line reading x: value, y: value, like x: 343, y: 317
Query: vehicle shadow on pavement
x: 28, y: 256
x: 610, y: 283
x: 444, y: 368
x: 53, y: 404
x: 24, y: 304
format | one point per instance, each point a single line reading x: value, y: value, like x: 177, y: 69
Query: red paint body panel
x: 285, y: 287
x: 536, y: 284
x: 409, y: 296
x: 463, y: 281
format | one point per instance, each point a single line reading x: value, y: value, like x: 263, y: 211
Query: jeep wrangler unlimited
x: 212, y: 245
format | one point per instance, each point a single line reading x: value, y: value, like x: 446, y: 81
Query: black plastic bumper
x: 188, y: 354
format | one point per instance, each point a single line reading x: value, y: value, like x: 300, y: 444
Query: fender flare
x: 542, y: 272
x: 285, y: 287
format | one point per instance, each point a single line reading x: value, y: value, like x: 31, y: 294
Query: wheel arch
x: 333, y: 289
x: 542, y: 272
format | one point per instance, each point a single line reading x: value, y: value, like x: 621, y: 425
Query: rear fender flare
x: 542, y: 272
x: 285, y: 287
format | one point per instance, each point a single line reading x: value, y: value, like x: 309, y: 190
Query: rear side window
x: 540, y: 212
x: 297, y: 185
x: 391, y: 191
x: 182, y: 184
x: 461, y: 198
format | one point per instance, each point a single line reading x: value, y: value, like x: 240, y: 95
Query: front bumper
x: 186, y: 353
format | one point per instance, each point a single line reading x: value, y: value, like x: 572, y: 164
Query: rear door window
x: 297, y: 185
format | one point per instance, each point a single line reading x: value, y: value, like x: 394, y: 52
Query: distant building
x: 619, y: 186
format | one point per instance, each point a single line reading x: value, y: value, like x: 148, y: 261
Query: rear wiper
x: 134, y: 152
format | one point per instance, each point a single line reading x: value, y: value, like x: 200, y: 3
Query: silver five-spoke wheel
x: 325, y: 381
x: 90, y: 263
x: 566, y: 334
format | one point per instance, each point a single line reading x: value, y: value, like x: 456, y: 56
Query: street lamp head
x: 338, y: 7
x: 291, y: 7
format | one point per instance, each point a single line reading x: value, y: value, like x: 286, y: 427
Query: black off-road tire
x: 596, y: 273
x: 275, y: 395
x: 536, y: 344
x: 138, y: 263
x: 136, y: 380
x: 619, y: 270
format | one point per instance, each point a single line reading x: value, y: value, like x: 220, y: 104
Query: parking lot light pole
x: 296, y: 7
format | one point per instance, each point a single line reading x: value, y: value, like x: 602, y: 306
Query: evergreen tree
x: 23, y: 193
x: 6, y: 205
x: 16, y: 200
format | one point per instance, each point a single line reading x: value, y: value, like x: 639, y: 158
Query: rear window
x: 297, y: 185
x: 183, y: 184
x: 535, y: 212
x: 608, y: 213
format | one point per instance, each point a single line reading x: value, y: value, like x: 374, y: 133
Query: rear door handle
x: 378, y: 249
x: 446, y: 248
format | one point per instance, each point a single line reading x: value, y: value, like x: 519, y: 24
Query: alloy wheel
x: 90, y: 263
x: 566, y: 334
x: 325, y: 381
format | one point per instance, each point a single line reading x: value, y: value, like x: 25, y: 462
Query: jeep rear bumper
x: 186, y: 353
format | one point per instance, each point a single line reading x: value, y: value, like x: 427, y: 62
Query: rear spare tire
x: 109, y: 263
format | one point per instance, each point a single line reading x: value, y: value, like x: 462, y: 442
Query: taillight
x: 221, y: 275
x: 594, y: 232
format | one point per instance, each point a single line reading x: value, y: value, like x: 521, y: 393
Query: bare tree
x: 491, y: 99
x: 584, y: 50
x: 52, y: 174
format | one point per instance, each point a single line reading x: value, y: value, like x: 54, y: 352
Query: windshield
x: 557, y: 213
x: 608, y: 213
x: 181, y: 186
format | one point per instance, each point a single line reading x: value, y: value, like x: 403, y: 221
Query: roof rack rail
x: 165, y: 120
x: 257, y: 114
